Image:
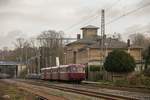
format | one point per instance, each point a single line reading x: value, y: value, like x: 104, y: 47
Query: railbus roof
x: 61, y: 66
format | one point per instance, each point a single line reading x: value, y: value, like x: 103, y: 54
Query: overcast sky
x: 27, y: 18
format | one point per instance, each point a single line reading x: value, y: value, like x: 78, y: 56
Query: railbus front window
x: 68, y: 69
x: 80, y: 69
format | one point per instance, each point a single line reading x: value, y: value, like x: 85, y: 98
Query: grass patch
x: 14, y: 93
x: 104, y: 82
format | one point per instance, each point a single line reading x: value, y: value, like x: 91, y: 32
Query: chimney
x: 128, y: 43
x: 78, y: 36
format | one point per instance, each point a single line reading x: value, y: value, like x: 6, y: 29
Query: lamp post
x: 88, y: 67
x: 39, y: 62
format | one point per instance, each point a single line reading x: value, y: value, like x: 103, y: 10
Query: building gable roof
x: 114, y: 44
x: 90, y: 27
x: 83, y: 41
x: 111, y: 43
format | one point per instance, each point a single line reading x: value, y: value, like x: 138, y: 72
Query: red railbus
x: 72, y: 72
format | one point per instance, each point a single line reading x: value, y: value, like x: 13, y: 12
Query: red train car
x: 72, y: 72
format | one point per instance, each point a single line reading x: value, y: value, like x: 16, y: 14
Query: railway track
x: 80, y: 91
x: 130, y: 88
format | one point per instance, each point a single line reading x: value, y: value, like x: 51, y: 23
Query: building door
x: 74, y: 57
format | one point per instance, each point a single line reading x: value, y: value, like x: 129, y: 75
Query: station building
x: 89, y: 49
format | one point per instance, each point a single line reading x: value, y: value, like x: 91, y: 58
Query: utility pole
x: 102, y: 33
x: 102, y: 23
x: 39, y: 62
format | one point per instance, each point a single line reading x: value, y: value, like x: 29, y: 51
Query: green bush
x: 119, y: 61
x: 147, y: 57
x: 147, y: 72
x: 23, y: 73
x: 121, y: 82
x: 145, y: 81
x: 95, y: 68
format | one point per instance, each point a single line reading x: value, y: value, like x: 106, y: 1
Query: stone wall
x: 70, y: 52
x: 94, y: 54
x: 136, y: 53
x: 82, y: 57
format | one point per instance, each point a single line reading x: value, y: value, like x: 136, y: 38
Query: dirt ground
x: 8, y: 92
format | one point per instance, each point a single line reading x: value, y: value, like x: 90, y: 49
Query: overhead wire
x: 128, y: 13
x: 81, y: 22
x: 91, y: 18
x: 115, y: 3
x: 112, y: 21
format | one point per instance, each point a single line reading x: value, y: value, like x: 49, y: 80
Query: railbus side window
x: 68, y: 69
x: 60, y: 70
x: 55, y: 70
x: 63, y: 69
x: 49, y: 70
x: 73, y: 69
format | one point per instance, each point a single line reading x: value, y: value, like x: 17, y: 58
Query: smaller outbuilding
x: 11, y: 69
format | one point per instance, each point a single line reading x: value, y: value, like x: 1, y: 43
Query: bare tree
x: 116, y: 36
x: 51, y: 47
x: 140, y: 40
x: 26, y: 51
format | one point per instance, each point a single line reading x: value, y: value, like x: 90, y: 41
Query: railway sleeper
x: 40, y: 98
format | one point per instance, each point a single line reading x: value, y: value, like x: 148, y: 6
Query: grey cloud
x: 137, y: 8
x: 8, y: 15
x: 146, y: 7
x: 134, y: 28
x: 143, y: 2
x: 4, y: 2
x: 32, y: 16
x: 10, y: 37
x: 138, y: 29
